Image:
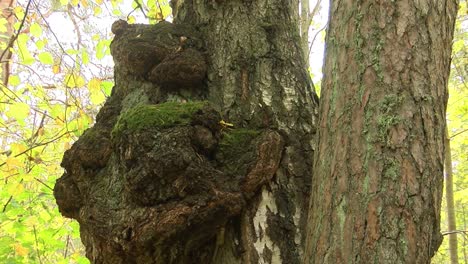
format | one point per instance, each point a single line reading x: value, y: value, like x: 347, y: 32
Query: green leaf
x: 84, y: 56
x: 3, y: 25
x: 46, y: 58
x: 35, y: 30
x: 106, y: 86
x: 19, y: 111
x: 40, y: 44
x: 23, y: 50
x: 14, y: 80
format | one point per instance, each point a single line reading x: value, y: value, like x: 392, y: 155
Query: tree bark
x: 378, y: 169
x: 203, y: 153
x: 6, y: 6
x: 258, y: 77
x: 451, y: 218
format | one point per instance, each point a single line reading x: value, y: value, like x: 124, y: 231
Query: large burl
x: 160, y: 175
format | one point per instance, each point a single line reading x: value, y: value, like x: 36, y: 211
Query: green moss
x: 236, y: 150
x: 163, y: 115
x: 388, y: 119
x: 391, y: 169
x: 389, y: 103
x: 236, y: 141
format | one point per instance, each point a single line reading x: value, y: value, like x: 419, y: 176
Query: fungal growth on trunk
x: 159, y: 174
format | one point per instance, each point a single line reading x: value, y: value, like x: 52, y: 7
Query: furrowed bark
x: 203, y: 153
x: 378, y: 170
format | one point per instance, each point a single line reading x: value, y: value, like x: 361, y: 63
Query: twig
x: 53, y: 34
x: 464, y: 232
x: 6, y: 204
x: 315, y: 36
x: 37, y: 245
x: 65, y: 252
x: 137, y: 7
x: 15, y: 36
x: 45, y: 184
x: 75, y: 24
x: 40, y: 144
x: 458, y: 133
x: 160, y: 10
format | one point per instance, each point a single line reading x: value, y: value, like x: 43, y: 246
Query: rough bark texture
x: 6, y: 7
x: 378, y: 169
x: 162, y: 177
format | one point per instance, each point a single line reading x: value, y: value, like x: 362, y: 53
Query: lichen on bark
x: 154, y: 178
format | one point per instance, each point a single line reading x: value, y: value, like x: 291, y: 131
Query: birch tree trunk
x: 257, y: 76
x: 6, y: 7
x: 378, y: 169
x: 203, y: 153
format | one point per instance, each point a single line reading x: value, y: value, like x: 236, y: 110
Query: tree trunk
x: 6, y: 6
x: 465, y: 226
x: 164, y: 176
x: 378, y: 169
x: 451, y: 218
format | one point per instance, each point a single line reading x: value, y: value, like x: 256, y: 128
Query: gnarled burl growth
x: 158, y: 175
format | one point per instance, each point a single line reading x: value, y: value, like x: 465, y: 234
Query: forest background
x: 56, y: 72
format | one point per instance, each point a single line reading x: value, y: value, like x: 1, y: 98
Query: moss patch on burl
x: 161, y: 116
x: 236, y: 141
x: 237, y: 149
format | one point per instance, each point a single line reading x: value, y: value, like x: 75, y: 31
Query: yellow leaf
x: 131, y: 20
x: 59, y: 121
x: 31, y: 221
x: 84, y: 3
x: 13, y: 162
x: 15, y: 189
x: 20, y: 250
x: 56, y: 68
x: 99, y: 2
x: 18, y: 9
x: 97, y: 11
x: 74, y: 81
x: 18, y: 111
x: 14, y: 80
x: 17, y: 148
x: 66, y: 146
x: 75, y: 255
x: 94, y: 84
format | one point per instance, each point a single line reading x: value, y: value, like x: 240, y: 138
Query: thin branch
x: 160, y: 11
x: 15, y: 36
x: 6, y: 204
x: 37, y: 245
x: 40, y: 144
x: 314, y: 12
x: 464, y: 232
x: 53, y: 33
x: 315, y: 36
x: 65, y: 253
x: 45, y: 184
x: 458, y: 133
x: 139, y: 6
x: 75, y: 24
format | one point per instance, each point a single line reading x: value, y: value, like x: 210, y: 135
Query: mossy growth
x: 388, y: 118
x: 390, y: 102
x: 161, y: 116
x: 236, y: 149
x: 236, y: 141
x: 391, y: 169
